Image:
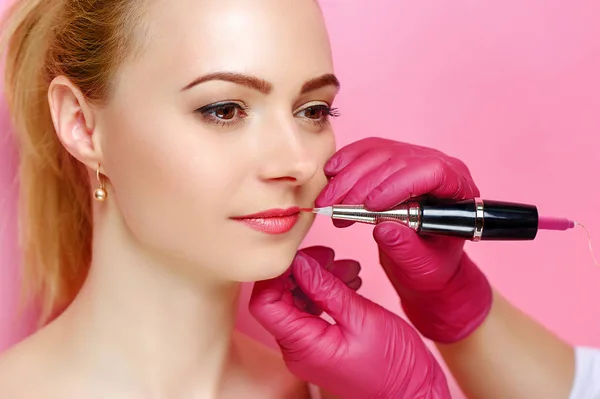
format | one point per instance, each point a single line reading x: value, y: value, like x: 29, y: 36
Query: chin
x: 268, y: 262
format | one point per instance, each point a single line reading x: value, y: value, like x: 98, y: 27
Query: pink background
x: 510, y: 87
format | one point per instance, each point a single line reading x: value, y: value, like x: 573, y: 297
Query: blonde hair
x: 84, y: 40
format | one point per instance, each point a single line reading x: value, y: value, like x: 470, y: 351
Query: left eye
x: 226, y: 112
x: 315, y: 112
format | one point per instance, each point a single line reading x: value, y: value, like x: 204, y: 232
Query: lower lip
x: 274, y: 225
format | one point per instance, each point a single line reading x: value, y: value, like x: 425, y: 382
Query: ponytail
x: 54, y: 198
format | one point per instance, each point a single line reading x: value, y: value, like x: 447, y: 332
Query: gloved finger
x: 336, y: 189
x: 347, y: 154
x: 432, y: 176
x: 344, y: 305
x: 342, y: 223
x: 272, y: 305
x: 401, y: 243
x: 368, y: 182
x: 461, y: 167
x: 355, y: 284
x: 345, y: 269
x: 322, y: 254
x: 411, y: 257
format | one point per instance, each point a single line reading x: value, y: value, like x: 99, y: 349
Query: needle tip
x: 327, y: 211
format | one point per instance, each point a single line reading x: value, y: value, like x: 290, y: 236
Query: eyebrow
x: 262, y: 85
x: 320, y: 82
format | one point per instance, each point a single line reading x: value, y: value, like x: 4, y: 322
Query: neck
x: 143, y: 320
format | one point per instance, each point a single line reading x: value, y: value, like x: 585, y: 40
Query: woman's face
x: 225, y: 114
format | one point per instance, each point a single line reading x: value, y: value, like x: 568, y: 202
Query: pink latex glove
x: 369, y: 353
x: 442, y: 291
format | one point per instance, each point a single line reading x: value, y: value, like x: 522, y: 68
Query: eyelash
x: 209, y: 114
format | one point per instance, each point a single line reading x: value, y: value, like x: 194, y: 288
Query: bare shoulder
x: 266, y: 366
x: 31, y: 368
x: 19, y: 366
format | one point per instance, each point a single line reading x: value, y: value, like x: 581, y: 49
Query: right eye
x: 227, y: 113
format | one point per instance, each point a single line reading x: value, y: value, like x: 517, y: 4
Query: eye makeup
x: 225, y: 113
x: 233, y: 113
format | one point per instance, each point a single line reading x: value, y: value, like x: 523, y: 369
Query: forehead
x: 278, y: 40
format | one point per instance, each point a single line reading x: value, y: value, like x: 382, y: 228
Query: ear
x: 74, y: 122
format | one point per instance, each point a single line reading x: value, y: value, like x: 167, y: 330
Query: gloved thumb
x: 329, y: 293
x: 402, y: 245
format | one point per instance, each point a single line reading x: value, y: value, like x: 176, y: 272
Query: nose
x: 289, y: 155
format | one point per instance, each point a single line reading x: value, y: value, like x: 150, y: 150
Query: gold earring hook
x: 100, y: 193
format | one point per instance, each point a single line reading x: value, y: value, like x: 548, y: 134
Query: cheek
x: 324, y: 150
x: 164, y: 178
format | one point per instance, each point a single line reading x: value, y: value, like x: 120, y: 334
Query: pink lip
x: 273, y: 221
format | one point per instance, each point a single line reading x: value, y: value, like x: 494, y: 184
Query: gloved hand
x: 369, y: 353
x: 442, y: 291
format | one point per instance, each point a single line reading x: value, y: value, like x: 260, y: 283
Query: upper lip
x: 271, y: 213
